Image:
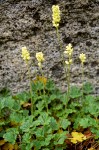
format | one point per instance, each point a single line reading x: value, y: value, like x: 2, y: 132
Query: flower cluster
x: 25, y: 54
x: 69, y: 51
x: 56, y: 15
x: 40, y: 58
x: 77, y: 137
x: 82, y: 57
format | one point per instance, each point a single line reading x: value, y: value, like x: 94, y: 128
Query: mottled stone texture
x: 29, y: 23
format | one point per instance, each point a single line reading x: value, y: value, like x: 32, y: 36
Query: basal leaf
x: 65, y: 123
x: 87, y: 88
x: 84, y: 122
x: 44, y: 119
x: 75, y: 92
x: 11, y: 135
x: 53, y: 124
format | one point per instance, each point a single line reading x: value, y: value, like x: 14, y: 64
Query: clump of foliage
x: 45, y: 118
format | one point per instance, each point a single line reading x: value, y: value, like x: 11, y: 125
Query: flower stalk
x: 82, y: 58
x: 40, y: 59
x: 68, y: 51
x: 26, y: 57
x: 56, y: 20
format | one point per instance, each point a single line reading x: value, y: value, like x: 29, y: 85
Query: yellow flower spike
x: 69, y: 50
x: 82, y: 57
x: 56, y: 15
x: 25, y: 54
x: 40, y: 58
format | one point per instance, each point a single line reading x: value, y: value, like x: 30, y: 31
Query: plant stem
x: 61, y: 52
x: 82, y: 80
x: 30, y: 87
x: 44, y: 89
x: 68, y: 82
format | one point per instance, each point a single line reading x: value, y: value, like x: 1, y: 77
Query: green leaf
x: 75, y: 92
x: 38, y: 86
x: 40, y: 105
x: 50, y: 85
x: 26, y: 138
x: 16, y: 117
x: 64, y: 98
x: 16, y: 106
x: 58, y: 148
x: 87, y: 88
x: 89, y: 99
x: 47, y: 140
x: 37, y: 144
x: 65, y: 123
x: 39, y: 133
x: 27, y: 124
x: 52, y: 98
x: 11, y: 135
x: 59, y: 107
x: 84, y: 122
x: 6, y: 102
x: 44, y: 119
x: 5, y: 92
x: 96, y: 132
x: 60, y: 138
x: 29, y: 146
x: 54, y: 124
x: 22, y: 97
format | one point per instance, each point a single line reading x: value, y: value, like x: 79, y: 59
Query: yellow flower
x: 56, y: 15
x: 77, y: 137
x: 40, y: 79
x: 82, y: 57
x: 68, y: 62
x: 25, y: 54
x: 39, y: 57
x: 69, y: 49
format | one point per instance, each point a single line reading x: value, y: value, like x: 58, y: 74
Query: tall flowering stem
x: 40, y: 59
x: 68, y: 51
x: 26, y: 58
x: 56, y: 20
x: 82, y: 58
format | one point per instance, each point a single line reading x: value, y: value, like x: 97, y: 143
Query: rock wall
x: 29, y: 23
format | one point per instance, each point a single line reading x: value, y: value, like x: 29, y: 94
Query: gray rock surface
x: 29, y: 23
